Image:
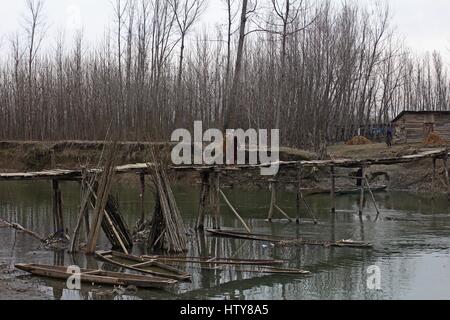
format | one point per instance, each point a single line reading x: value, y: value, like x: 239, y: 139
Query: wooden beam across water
x: 145, y: 168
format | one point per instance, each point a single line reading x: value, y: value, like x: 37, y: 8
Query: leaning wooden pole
x: 301, y: 198
x: 103, y: 190
x: 283, y: 213
x: 372, y: 195
x: 235, y: 212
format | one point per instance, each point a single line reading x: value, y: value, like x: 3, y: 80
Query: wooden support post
x: 333, y: 190
x: 87, y: 224
x: 141, y: 196
x: 447, y: 179
x: 299, y: 193
x: 83, y: 214
x: 57, y: 209
x: 53, y: 158
x: 215, y: 205
x: 361, y: 199
x: 273, y: 199
x: 434, y: 179
x: 204, y: 203
x: 85, y: 193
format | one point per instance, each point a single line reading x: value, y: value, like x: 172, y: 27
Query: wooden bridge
x: 144, y: 168
x: 211, y: 192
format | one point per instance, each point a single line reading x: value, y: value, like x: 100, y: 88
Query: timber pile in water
x: 168, y: 232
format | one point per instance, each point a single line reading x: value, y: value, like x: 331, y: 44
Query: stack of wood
x: 106, y: 213
x: 168, y: 232
x: 114, y: 226
x: 96, y: 195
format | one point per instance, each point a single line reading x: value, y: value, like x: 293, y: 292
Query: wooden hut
x: 416, y: 126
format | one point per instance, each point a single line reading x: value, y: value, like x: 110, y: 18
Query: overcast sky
x: 424, y: 24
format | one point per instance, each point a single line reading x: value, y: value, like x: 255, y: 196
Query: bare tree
x: 186, y: 12
x: 318, y: 71
x: 34, y: 28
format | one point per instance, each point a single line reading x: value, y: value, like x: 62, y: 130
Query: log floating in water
x: 270, y: 270
x: 344, y: 191
x: 281, y: 241
x: 265, y: 270
x: 221, y: 261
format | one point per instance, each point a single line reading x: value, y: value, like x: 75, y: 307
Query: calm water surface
x: 412, y: 251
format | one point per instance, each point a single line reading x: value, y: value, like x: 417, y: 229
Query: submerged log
x: 283, y: 241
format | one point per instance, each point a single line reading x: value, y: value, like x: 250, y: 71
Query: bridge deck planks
x: 143, y: 168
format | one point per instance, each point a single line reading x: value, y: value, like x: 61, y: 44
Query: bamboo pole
x: 101, y: 201
x: 235, y: 212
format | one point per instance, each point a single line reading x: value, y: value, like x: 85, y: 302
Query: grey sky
x: 424, y: 24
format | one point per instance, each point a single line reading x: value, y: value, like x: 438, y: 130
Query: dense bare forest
x: 318, y: 70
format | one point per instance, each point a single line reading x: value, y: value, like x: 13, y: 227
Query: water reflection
x: 410, y: 238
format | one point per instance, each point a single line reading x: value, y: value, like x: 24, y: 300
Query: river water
x: 411, y: 246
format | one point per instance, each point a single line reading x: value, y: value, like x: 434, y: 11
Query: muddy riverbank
x: 14, y: 287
